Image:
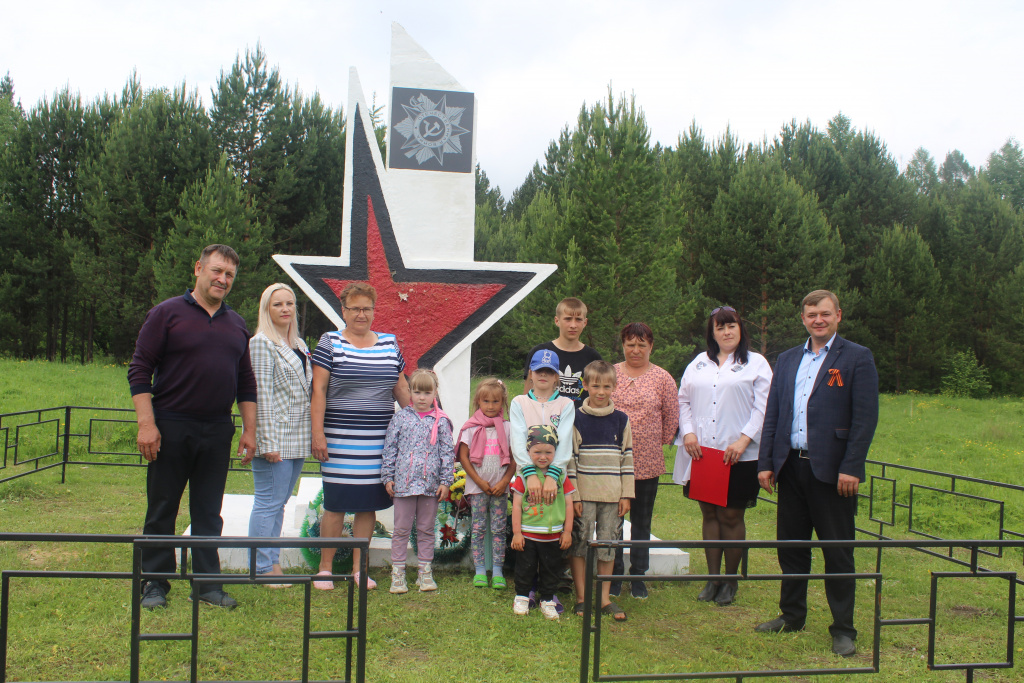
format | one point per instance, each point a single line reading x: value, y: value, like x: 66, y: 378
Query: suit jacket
x: 283, y: 422
x: 841, y: 415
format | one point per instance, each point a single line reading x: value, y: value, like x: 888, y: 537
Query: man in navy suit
x: 821, y: 415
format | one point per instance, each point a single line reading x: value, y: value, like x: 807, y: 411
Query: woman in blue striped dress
x: 357, y: 377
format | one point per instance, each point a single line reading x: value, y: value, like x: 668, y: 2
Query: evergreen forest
x: 105, y: 205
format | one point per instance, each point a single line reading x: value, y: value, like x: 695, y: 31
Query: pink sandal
x: 370, y: 583
x: 323, y: 585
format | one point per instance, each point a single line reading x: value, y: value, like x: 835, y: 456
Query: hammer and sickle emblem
x: 433, y: 128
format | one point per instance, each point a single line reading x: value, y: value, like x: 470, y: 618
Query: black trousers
x: 197, y: 454
x: 805, y: 504
x: 545, y: 556
x: 641, y: 512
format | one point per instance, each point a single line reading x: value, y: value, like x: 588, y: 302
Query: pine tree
x: 956, y: 170
x: 986, y: 244
x: 1004, y: 340
x: 1006, y: 173
x: 812, y: 158
x: 289, y: 152
x: 765, y: 245
x: 695, y: 172
x: 10, y: 113
x: 857, y: 182
x: 41, y: 170
x: 921, y: 172
x: 600, y: 217
x: 902, y: 292
x: 217, y: 210
x: 159, y: 145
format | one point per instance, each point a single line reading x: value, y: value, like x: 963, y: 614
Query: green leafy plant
x: 964, y: 377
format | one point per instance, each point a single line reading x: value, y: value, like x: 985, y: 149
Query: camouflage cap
x: 541, y: 434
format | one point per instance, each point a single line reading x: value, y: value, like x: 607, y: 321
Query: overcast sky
x: 938, y: 75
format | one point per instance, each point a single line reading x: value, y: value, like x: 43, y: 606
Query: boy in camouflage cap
x: 540, y: 530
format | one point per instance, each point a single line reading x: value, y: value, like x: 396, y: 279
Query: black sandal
x: 614, y: 611
x: 578, y: 609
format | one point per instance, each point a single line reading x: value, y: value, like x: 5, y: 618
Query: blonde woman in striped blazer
x: 283, y: 371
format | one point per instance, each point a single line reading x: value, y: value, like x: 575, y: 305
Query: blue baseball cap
x: 544, y: 358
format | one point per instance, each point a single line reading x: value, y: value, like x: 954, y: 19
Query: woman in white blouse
x: 722, y: 398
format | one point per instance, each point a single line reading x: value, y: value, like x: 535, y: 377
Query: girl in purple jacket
x: 419, y: 464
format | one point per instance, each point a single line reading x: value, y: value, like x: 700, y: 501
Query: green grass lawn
x: 78, y: 629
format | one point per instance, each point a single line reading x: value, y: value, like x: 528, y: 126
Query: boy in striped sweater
x: 601, y: 470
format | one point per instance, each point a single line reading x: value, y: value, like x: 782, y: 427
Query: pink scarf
x: 438, y: 414
x: 479, y: 441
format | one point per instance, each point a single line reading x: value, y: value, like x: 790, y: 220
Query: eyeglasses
x: 722, y: 308
x: 359, y: 311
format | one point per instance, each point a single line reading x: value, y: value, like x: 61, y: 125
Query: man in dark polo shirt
x: 191, y: 364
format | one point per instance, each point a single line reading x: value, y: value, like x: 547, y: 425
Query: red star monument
x: 436, y: 307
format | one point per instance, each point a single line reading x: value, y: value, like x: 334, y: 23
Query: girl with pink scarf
x: 485, y: 455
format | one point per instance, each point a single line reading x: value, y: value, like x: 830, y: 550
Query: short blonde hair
x: 423, y: 379
x: 570, y: 305
x: 597, y: 369
x: 266, y: 325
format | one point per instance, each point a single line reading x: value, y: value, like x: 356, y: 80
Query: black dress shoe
x: 217, y: 598
x: 726, y: 594
x: 154, y: 596
x: 843, y: 646
x: 709, y: 592
x: 778, y: 625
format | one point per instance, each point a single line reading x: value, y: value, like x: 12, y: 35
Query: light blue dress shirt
x: 806, y: 373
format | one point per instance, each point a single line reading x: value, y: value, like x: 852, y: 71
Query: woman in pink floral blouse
x: 647, y: 394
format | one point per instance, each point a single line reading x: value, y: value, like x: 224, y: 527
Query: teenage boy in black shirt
x: 573, y: 355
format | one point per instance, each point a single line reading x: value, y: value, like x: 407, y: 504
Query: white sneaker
x: 425, y: 580
x: 547, y: 608
x: 398, y: 584
x: 521, y: 605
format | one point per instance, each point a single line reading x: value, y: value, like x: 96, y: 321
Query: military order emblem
x: 429, y: 130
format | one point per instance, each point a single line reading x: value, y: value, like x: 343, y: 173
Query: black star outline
x: 366, y: 183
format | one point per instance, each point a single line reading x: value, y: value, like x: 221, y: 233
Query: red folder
x: 709, y: 477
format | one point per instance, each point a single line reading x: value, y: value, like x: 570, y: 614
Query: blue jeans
x: 274, y: 483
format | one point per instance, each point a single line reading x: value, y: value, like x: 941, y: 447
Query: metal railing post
x: 306, y: 598
x: 136, y: 602
x: 5, y: 589
x: 364, y: 569
x: 588, y: 602
x: 353, y: 593
x: 592, y: 601
x: 67, y: 444
x: 194, y: 664
x: 1011, y: 621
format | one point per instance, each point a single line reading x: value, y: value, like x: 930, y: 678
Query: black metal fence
x: 34, y: 441
x: 994, y: 495
x: 895, y: 495
x: 1005, y: 503
x: 354, y: 632
x: 590, y: 647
